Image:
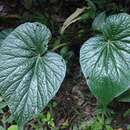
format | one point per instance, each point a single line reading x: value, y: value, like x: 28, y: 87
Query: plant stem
x: 3, y: 121
x: 104, y: 125
x: 21, y: 127
x: 59, y: 46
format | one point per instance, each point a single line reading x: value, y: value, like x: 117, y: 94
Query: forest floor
x: 75, y: 105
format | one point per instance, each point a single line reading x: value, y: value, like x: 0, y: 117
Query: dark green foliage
x: 30, y: 75
x: 105, y: 58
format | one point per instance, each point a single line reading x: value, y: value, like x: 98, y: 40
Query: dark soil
x: 74, y: 100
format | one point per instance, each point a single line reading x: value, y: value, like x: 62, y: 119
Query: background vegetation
x: 74, y: 107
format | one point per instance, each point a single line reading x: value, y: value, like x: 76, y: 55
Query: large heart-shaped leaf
x: 105, y: 59
x: 29, y: 75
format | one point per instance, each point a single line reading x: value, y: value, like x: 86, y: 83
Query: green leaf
x: 27, y: 3
x: 4, y: 34
x: 126, y: 114
x: 91, y: 4
x: 13, y: 127
x: 1, y: 128
x: 48, y: 116
x: 39, y: 2
x: 98, y: 21
x: 30, y: 76
x: 105, y: 59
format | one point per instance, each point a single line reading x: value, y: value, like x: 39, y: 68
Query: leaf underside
x: 30, y: 76
x: 105, y: 59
